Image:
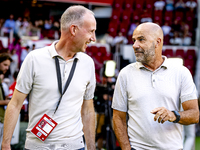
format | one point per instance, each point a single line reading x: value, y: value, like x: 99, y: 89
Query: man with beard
x: 5, y: 61
x: 151, y: 92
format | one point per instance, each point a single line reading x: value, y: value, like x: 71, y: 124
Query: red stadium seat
x: 118, y: 5
x: 180, y: 53
x: 98, y: 57
x: 189, y: 19
x: 126, y: 16
x: 112, y: 29
x: 168, y: 17
x: 94, y: 50
x: 189, y: 63
x: 136, y: 16
x: 103, y: 50
x: 128, y: 5
x: 1, y: 46
x: 191, y: 54
x: 139, y: 4
x: 158, y: 16
x: 115, y: 16
x: 88, y: 51
x: 150, y: 6
x: 166, y: 39
x: 124, y: 28
x: 108, y: 56
x: 179, y: 15
x: 169, y: 53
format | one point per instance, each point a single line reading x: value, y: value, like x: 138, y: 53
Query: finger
x: 165, y: 119
x: 154, y: 111
x: 157, y: 115
x: 162, y: 117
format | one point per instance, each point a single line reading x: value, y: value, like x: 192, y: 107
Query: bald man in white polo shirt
x: 39, y: 77
x: 151, y: 92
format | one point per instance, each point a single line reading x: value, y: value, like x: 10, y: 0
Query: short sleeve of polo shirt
x: 188, y: 88
x: 120, y: 95
x: 89, y: 93
x: 25, y: 76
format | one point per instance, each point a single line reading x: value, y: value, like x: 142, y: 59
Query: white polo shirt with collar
x: 38, y: 78
x: 139, y: 90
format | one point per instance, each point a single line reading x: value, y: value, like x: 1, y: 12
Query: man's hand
x: 162, y: 114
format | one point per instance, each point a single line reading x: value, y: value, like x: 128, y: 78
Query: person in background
x: 33, y: 47
x: 191, y: 5
x: 159, y: 5
x: 180, y: 5
x: 72, y: 108
x: 5, y: 61
x: 151, y: 92
x: 9, y: 25
x: 169, y: 5
x: 14, y: 66
x: 24, y: 54
x: 166, y: 29
x: 117, y: 41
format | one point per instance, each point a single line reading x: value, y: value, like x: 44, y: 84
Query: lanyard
x: 59, y: 79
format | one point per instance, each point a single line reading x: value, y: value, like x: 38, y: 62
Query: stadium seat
x: 103, y: 50
x: 126, y: 16
x: 88, y: 51
x: 98, y: 57
x: 94, y: 50
x: 166, y: 39
x: 168, y: 17
x: 108, y: 56
x: 124, y: 28
x: 158, y: 16
x: 150, y: 6
x: 115, y: 16
x: 118, y: 5
x: 130, y: 41
x: 180, y: 53
x: 190, y: 64
x: 191, y: 54
x: 136, y: 16
x: 179, y: 15
x: 128, y: 5
x: 1, y: 46
x: 189, y: 19
x: 112, y: 29
x: 139, y: 5
x: 169, y: 53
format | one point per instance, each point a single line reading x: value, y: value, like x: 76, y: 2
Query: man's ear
x: 158, y: 42
x: 72, y: 30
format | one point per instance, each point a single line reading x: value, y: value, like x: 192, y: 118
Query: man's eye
x: 141, y: 39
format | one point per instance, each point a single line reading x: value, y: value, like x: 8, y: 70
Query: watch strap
x: 178, y: 117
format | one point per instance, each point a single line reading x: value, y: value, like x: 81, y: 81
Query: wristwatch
x: 178, y: 117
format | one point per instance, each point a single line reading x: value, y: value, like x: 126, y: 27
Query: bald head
x: 152, y: 29
x: 73, y: 15
x: 147, y: 43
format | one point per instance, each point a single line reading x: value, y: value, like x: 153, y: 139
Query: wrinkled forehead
x: 140, y: 32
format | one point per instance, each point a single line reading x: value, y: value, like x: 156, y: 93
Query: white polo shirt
x: 38, y: 78
x: 139, y: 90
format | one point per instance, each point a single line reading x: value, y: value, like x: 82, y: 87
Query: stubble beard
x: 147, y: 55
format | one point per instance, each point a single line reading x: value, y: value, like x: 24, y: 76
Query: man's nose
x: 93, y: 38
x: 135, y: 44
